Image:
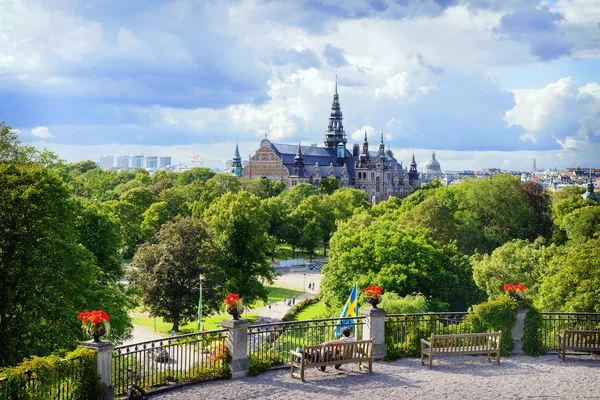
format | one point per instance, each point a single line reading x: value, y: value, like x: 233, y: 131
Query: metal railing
x: 170, y: 361
x: 64, y: 384
x: 554, y: 323
x: 401, y: 329
x: 272, y: 342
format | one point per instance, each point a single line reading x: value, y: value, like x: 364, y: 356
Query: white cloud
x: 359, y: 134
x: 394, y: 87
x: 559, y: 110
x: 41, y: 132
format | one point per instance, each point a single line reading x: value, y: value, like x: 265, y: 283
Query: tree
x: 297, y: 194
x: 153, y: 218
x: 572, y: 280
x: 263, y: 188
x: 328, y: 185
x: 240, y: 225
x: 140, y: 197
x: 168, y: 272
x: 11, y: 149
x: 47, y: 277
x: 583, y: 223
x: 514, y: 262
x: 99, y: 232
x: 195, y: 174
x: 130, y: 219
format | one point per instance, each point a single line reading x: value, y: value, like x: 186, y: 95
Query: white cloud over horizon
x: 75, y: 76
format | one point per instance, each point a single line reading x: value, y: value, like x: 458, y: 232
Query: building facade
x: 152, y: 162
x: 376, y: 172
x: 123, y: 162
x: 137, y: 161
x: 107, y: 162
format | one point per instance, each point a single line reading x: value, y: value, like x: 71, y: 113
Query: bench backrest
x: 467, y: 340
x: 358, y: 350
x: 581, y: 338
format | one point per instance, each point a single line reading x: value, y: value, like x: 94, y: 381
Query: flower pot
x: 235, y: 311
x: 101, y: 331
x: 373, y: 301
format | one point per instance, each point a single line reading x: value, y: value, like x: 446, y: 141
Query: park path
x: 295, y: 280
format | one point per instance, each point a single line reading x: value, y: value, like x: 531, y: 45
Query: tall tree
x: 47, y: 277
x: 168, y: 272
x: 241, y: 226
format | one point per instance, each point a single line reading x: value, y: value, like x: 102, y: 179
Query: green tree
x: 583, y: 224
x: 47, y: 277
x: 11, y: 149
x: 328, y: 185
x: 241, y: 225
x: 263, y: 188
x: 140, y: 197
x: 130, y: 220
x: 572, y: 280
x: 153, y: 218
x: 96, y: 184
x: 195, y: 174
x: 514, y: 262
x: 168, y: 272
x: 567, y: 192
x: 99, y: 232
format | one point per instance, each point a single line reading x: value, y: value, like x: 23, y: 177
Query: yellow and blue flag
x: 349, y: 312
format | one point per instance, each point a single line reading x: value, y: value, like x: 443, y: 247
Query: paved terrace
x: 459, y: 377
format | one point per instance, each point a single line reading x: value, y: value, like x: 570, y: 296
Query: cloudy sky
x: 484, y: 83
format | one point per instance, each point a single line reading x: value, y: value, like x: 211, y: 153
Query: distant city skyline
x: 489, y: 84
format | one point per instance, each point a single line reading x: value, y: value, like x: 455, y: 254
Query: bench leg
x: 302, y: 373
x: 489, y: 357
x: 370, y: 366
x: 430, y: 360
x: 292, y: 365
x: 563, y: 354
x: 422, y: 357
x: 498, y: 357
x: 359, y: 366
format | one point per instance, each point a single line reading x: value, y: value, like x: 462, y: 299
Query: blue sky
x: 483, y: 83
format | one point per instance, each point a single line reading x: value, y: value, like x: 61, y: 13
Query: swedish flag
x: 349, y: 312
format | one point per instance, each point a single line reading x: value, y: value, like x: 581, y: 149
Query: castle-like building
x: 376, y: 172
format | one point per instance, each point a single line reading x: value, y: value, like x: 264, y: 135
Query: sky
x: 484, y: 83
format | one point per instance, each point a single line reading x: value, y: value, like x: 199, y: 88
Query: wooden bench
x: 318, y: 355
x: 587, y: 341
x: 461, y: 344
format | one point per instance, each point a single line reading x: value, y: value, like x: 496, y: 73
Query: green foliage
x: 11, y: 149
x: 262, y: 363
x: 328, y: 185
x: 168, y: 272
x: 263, y: 188
x: 47, y: 276
x: 240, y: 225
x: 289, y: 316
x: 77, y: 371
x: 493, y: 316
x: 153, y: 218
x: 533, y: 344
x: 572, y: 281
x: 403, y: 261
x: 583, y: 224
x: 392, y: 303
x: 565, y: 193
x: 195, y: 174
x: 514, y: 262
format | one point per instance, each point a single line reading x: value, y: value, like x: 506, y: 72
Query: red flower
x: 232, y: 299
x: 510, y: 288
x: 92, y: 320
x: 373, y: 291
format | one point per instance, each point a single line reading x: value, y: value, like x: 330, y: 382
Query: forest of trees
x: 67, y: 227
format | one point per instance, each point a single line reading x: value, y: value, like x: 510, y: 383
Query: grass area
x: 312, y: 311
x: 284, y: 252
x: 164, y: 328
x: 278, y: 293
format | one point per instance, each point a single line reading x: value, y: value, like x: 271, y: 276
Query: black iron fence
x: 272, y: 342
x: 62, y: 382
x: 554, y: 323
x: 404, y: 331
x: 170, y: 361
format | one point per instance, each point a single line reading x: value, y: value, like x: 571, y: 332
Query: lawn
x: 312, y: 311
x: 164, y: 328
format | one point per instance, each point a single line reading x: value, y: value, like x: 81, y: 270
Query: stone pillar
x: 104, y: 352
x: 237, y: 346
x: 518, y: 330
x: 375, y: 328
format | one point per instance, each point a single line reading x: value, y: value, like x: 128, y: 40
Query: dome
x: 433, y: 165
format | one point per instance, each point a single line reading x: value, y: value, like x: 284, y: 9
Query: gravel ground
x: 459, y: 377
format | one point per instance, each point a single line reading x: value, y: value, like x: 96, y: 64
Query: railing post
x: 104, y: 352
x: 518, y: 331
x: 237, y: 346
x: 375, y: 328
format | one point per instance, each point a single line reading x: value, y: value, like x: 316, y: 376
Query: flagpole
x: 199, y: 323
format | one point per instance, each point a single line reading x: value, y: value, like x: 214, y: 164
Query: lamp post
x: 199, y: 323
x: 304, y: 284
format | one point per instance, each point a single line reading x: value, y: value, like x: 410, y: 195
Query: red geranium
x: 233, y: 300
x: 510, y: 288
x: 93, y: 320
x: 373, y: 291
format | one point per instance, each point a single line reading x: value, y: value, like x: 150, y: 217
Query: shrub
x: 52, y: 374
x: 532, y: 336
x: 289, y: 316
x: 493, y: 316
x: 392, y: 303
x: 259, y: 365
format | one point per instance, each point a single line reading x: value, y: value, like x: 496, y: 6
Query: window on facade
x: 388, y: 177
x: 378, y: 184
x: 372, y: 175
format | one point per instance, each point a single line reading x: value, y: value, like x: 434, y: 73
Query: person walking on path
x: 284, y: 300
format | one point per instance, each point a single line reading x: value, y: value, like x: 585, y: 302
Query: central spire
x: 335, y: 137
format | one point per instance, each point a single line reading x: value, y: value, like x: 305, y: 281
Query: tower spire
x: 336, y: 92
x: 335, y: 137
